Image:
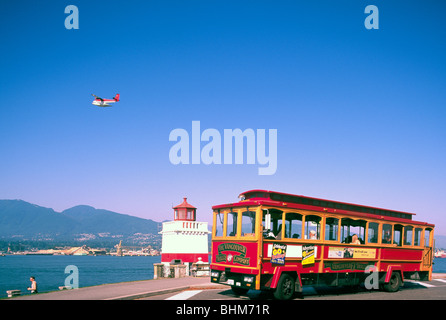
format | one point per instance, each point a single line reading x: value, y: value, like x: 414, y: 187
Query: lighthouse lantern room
x: 184, y: 211
x: 184, y: 240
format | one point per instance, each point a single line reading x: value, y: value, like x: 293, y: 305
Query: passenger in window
x: 355, y: 239
x: 268, y: 234
x: 313, y: 235
x: 387, y: 237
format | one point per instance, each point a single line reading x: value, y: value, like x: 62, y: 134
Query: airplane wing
x: 97, y: 97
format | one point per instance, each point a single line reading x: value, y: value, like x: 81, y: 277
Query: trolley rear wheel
x: 394, y: 283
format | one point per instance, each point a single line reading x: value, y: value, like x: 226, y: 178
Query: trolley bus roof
x: 272, y: 198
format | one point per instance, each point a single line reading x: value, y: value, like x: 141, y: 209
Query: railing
x: 427, y: 257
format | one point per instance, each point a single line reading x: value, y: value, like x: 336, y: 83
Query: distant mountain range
x: 24, y: 220
x: 20, y: 219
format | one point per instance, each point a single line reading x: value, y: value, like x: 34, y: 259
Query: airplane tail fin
x: 116, y: 97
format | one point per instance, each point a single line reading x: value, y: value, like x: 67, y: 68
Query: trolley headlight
x: 215, y: 274
x: 248, y: 279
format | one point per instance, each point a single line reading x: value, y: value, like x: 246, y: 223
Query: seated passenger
x: 313, y: 235
x: 268, y: 234
x: 387, y: 238
x: 355, y: 239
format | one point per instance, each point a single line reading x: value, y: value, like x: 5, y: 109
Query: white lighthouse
x: 184, y: 240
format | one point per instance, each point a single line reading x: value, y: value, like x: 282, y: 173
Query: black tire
x: 394, y: 283
x: 239, y: 291
x: 285, y: 287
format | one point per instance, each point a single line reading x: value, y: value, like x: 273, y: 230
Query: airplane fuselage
x: 104, y: 103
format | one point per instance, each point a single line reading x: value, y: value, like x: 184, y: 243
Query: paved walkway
x: 125, y: 290
x: 136, y: 289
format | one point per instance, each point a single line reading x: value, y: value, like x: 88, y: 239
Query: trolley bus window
x: 397, y: 232
x: 331, y: 229
x: 372, y: 232
x: 312, y: 227
x: 417, y: 237
x: 272, y: 220
x: 387, y: 234
x: 248, y: 224
x: 231, y: 228
x: 353, y: 231
x: 293, y: 225
x: 408, y: 232
x: 427, y: 236
x: 219, y: 224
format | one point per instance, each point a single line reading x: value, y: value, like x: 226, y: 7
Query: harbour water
x: 49, y: 271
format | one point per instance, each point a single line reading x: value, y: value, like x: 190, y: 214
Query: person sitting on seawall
x: 33, y: 287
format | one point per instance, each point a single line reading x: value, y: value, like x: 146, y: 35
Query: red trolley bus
x: 281, y: 242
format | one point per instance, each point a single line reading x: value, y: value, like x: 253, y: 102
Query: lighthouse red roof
x: 184, y: 205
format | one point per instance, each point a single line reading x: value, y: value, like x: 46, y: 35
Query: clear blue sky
x: 360, y: 113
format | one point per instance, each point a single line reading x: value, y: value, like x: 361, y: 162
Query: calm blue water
x: 49, y: 271
x: 439, y: 265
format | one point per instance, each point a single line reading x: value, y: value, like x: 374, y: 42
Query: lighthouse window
x: 231, y: 230
x: 248, y: 224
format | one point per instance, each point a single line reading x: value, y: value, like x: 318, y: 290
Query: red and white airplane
x: 104, y: 102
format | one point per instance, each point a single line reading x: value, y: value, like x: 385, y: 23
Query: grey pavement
x: 125, y: 290
x: 136, y: 289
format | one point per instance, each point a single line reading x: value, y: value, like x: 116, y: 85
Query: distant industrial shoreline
x: 87, y: 251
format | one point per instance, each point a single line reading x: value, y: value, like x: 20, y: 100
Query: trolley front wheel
x: 285, y: 287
